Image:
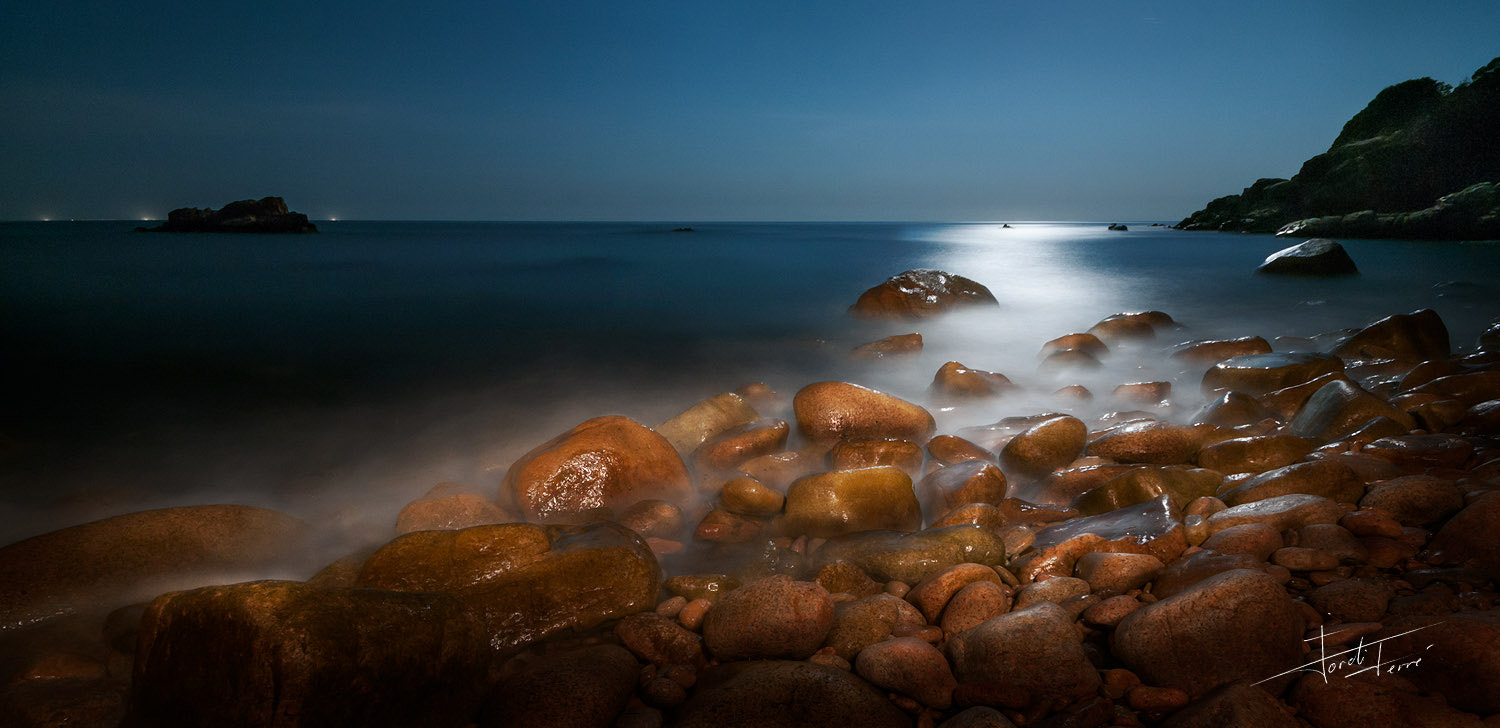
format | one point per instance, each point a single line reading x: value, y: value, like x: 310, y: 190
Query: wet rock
x: 955, y: 380
x: 1285, y: 403
x: 1057, y: 590
x: 1148, y: 441
x: 1143, y: 394
x: 1109, y: 573
x: 721, y: 526
x: 733, y: 447
x: 777, y: 694
x: 775, y: 617
x: 704, y: 420
x: 1469, y: 536
x: 932, y: 594
x: 659, y: 640
x: 890, y: 346
x: 1123, y: 327
x: 1338, y: 409
x: 1069, y: 360
x: 1280, y: 513
x: 912, y: 557
x: 1087, y: 343
x: 1254, y: 454
x: 1419, y: 452
x: 979, y: 716
x: 584, y: 687
x: 1258, y: 374
x: 1334, y: 539
x: 1328, y: 478
x: 1044, y: 447
x: 653, y: 518
x: 1022, y: 657
x: 1297, y: 558
x: 1232, y: 409
x: 449, y: 508
x: 1366, y: 700
x: 831, y: 411
x: 1183, y: 485
x: 1193, y: 568
x: 778, y: 470
x: 1146, y: 528
x: 1075, y: 392
x: 845, y: 577
x: 972, y: 481
x: 1236, y: 625
x: 606, y: 462
x: 1316, y: 257
x: 266, y: 653
x: 920, y: 293
x: 748, y: 496
x: 973, y: 605
x: 950, y: 450
x: 870, y: 620
x: 1108, y: 613
x: 1062, y: 487
x: 1460, y: 656
x: 98, y: 566
x: 1236, y: 704
x: 1210, y: 352
x: 1470, y: 389
x: 1351, y: 600
x: 1415, y: 500
x: 1371, y: 522
x: 848, y: 501
x: 525, y: 581
x: 1413, y: 337
x: 868, y: 452
x: 911, y: 667
x: 701, y: 586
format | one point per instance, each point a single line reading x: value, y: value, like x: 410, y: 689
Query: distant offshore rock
x: 1118, y: 226
x: 920, y: 293
x: 1317, y: 257
x: 266, y: 215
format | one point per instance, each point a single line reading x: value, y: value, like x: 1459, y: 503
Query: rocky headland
x: 1419, y: 162
x: 1239, y: 549
x: 266, y: 215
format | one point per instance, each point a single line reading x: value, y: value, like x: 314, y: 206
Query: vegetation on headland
x: 1420, y: 145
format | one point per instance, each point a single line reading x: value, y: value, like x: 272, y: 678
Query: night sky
x: 950, y: 110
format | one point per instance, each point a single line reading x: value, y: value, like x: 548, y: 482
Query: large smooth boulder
x: 1258, y: 374
x: 98, y: 566
x: 1148, y: 441
x: 954, y: 486
x: 847, y: 501
x: 1236, y: 625
x: 1153, y: 527
x: 1044, y: 447
x: 1021, y: 658
x: 780, y: 694
x: 912, y: 557
x: 831, y: 411
x: 284, y: 654
x: 1328, y: 478
x: 1316, y: 257
x: 1338, y: 409
x: 526, y: 581
x: 606, y: 462
x: 1253, y: 454
x: 1412, y: 337
x: 776, y: 617
x: 1469, y: 536
x: 920, y: 293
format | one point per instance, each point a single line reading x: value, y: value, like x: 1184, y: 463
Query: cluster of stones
x: 833, y: 560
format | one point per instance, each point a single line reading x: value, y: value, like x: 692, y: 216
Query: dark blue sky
x: 766, y: 110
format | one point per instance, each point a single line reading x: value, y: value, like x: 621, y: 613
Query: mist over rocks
x: 266, y: 215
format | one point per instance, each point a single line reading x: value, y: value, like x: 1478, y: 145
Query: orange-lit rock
x: 606, y: 462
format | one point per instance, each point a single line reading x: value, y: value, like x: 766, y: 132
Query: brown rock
x: 1153, y: 699
x: 1143, y: 394
x: 832, y: 411
x: 973, y: 481
x: 721, y: 526
x: 267, y: 653
x: 1332, y: 538
x: 1109, y: 573
x: 1069, y: 360
x: 787, y: 695
x: 932, y: 594
x: 912, y: 557
x: 1471, y: 388
x: 866, y: 621
x: 778, y: 470
x: 653, y: 518
x: 1236, y: 625
x: 1351, y: 600
x: 920, y: 293
x: 733, y: 447
x: 449, y: 513
x: 1284, y: 403
x: 976, y: 603
x: 63, y: 702
x: 748, y: 496
x: 1258, y: 374
x: 771, y: 618
x: 1280, y: 513
x: 1254, y: 454
x: 1193, y: 568
x: 1469, y: 536
x: 1415, y: 500
x: 848, y: 501
x: 1087, y: 343
x: 1236, y: 704
x: 1146, y: 528
x: 1183, y: 485
x: 1419, y: 452
x: 1460, y: 656
x: 704, y: 420
x: 868, y: 452
x: 908, y: 666
x: 1076, y: 392
x: 584, y: 687
x: 1210, y: 352
x: 958, y: 381
x: 844, y: 577
x: 1338, y: 409
x: 1232, y: 409
x: 1058, y: 589
x: 1064, y: 486
x: 1328, y: 478
x: 1044, y: 447
x: 606, y: 462
x: 525, y: 581
x: 760, y: 396
x: 1371, y: 522
x: 890, y: 346
x: 660, y: 640
x: 979, y: 716
x: 701, y: 586
x: 1023, y: 657
x: 1366, y: 700
x: 949, y: 450
x: 98, y: 566
x: 1107, y: 613
x: 1123, y: 327
x: 1412, y: 337
x: 1148, y: 442
x: 1297, y: 558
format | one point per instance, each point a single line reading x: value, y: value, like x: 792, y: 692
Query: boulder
x: 932, y: 594
x: 1153, y: 527
x: 1238, y: 625
x: 1044, y: 447
x: 1022, y: 658
x: 96, y: 567
x: 831, y: 411
x: 697, y: 424
x: 772, y: 618
x: 1183, y: 485
x: 870, y: 620
x: 1281, y: 513
x: 1236, y: 704
x: 1460, y: 656
x: 277, y: 653
x: 908, y: 666
x: 1207, y: 352
x: 870, y: 452
x: 847, y: 501
x: 1232, y: 409
x: 449, y: 513
x: 1254, y: 454
x: 1469, y: 536
x: 890, y: 346
x: 1412, y: 337
x: 912, y: 557
x: 1415, y: 500
x: 920, y: 293
x: 525, y: 581
x: 1316, y: 257
x: 972, y: 481
x: 1338, y: 409
x: 1148, y: 441
x: 779, y: 694
x: 733, y: 447
x: 584, y: 687
x: 1258, y: 374
x: 606, y: 462
x: 957, y: 381
x: 1328, y: 478
x: 266, y: 215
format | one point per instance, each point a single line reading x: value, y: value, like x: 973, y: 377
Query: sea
x: 339, y: 375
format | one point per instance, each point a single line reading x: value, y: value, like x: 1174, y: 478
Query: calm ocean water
x: 379, y: 358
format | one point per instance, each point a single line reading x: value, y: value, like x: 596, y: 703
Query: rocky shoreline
x: 1243, y: 550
